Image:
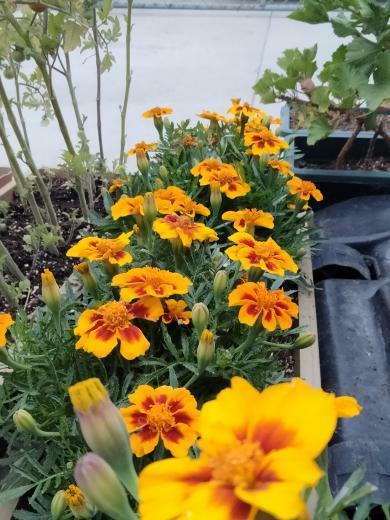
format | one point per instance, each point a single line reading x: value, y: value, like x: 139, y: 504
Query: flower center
x: 160, y: 418
x: 238, y: 466
x: 116, y: 316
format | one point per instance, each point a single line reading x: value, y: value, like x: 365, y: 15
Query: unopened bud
x: 80, y: 506
x: 200, y: 317
x: 150, y: 207
x: 158, y: 184
x: 217, y: 258
x: 88, y: 278
x: 159, y: 125
x: 164, y: 173
x: 263, y: 160
x: 220, y: 283
x: 25, y: 423
x: 206, y: 349
x: 277, y: 131
x: 142, y: 162
x: 254, y: 274
x: 58, y: 505
x: 304, y: 341
x: 166, y: 123
x: 266, y: 120
x: 215, y: 198
x: 50, y: 291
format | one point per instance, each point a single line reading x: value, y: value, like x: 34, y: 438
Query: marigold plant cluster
x: 170, y: 339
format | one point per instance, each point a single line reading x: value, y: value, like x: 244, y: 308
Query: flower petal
x: 133, y: 342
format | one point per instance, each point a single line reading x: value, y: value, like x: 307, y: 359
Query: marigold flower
x: 190, y: 141
x: 126, y: 206
x: 282, y: 167
x: 275, y: 120
x: 164, y: 412
x: 115, y: 185
x: 176, y: 310
x: 150, y: 281
x: 347, y: 406
x: 258, y: 451
x: 157, y: 112
x: 304, y: 189
x: 256, y: 301
x: 87, y: 276
x: 77, y: 503
x: 244, y: 108
x: 184, y: 229
x: 263, y: 141
x: 110, y: 250
x: 208, y: 166
x: 267, y: 255
x: 247, y: 219
x: 213, y: 116
x: 103, y: 328
x: 142, y: 148
x: 222, y: 177
x: 5, y: 322
x: 167, y: 197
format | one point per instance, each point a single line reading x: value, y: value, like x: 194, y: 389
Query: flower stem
x: 127, y: 83
x: 252, y: 335
x: 4, y: 358
x: 192, y: 380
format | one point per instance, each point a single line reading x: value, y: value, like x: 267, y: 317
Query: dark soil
x: 379, y: 163
x: 15, y: 226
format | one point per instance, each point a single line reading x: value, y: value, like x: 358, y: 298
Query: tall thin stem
x: 72, y: 91
x: 10, y: 263
x: 98, y: 85
x: 19, y: 104
x: 127, y: 83
x: 6, y: 291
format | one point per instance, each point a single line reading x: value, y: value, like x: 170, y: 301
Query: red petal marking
x: 282, y: 305
x: 171, y: 218
x: 137, y: 418
x: 103, y: 333
x: 247, y: 242
x: 173, y: 435
x: 252, y: 257
x: 182, y: 417
x: 239, y: 510
x: 241, y: 222
x: 175, y: 405
x: 253, y: 310
x: 119, y: 254
x: 161, y: 399
x: 232, y: 186
x: 198, y: 476
x: 268, y: 315
x: 146, y: 434
x: 273, y: 436
x: 147, y: 403
x: 131, y: 334
x: 248, y: 296
x: 140, y: 291
x: 271, y: 265
x: 138, y: 310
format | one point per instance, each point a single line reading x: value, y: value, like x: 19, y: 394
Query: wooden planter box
x: 7, y: 184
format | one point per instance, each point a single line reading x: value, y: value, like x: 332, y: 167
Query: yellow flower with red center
x: 151, y: 281
x: 304, y: 189
x: 247, y: 219
x: 110, y: 250
x: 190, y: 141
x: 5, y: 322
x: 116, y: 184
x: 213, y: 116
x: 258, y: 453
x: 164, y: 413
x: 176, y: 310
x: 142, y: 148
x: 189, y: 207
x: 173, y: 200
x: 103, y: 328
x: 126, y: 206
x: 208, y: 166
x: 184, y: 229
x: 222, y: 177
x: 244, y: 108
x: 282, y: 167
x: 157, y: 112
x: 262, y: 140
x: 256, y: 301
x: 267, y: 255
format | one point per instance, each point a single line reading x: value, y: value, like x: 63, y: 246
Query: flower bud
x: 88, y: 278
x: 101, y: 486
x: 166, y: 123
x: 263, y: 160
x: 278, y: 131
x: 200, y: 317
x: 215, y: 198
x: 206, y: 349
x: 254, y: 274
x: 217, y: 259
x: 78, y: 503
x: 50, y: 291
x: 103, y: 428
x: 150, y: 207
x: 266, y: 120
x: 158, y: 184
x: 159, y: 125
x: 164, y: 173
x: 220, y: 283
x: 304, y: 341
x: 25, y: 423
x: 58, y: 505
x: 142, y: 162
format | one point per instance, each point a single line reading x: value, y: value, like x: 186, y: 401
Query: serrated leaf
x: 12, y: 494
x: 106, y: 8
x: 319, y: 129
x: 320, y: 95
x: 72, y: 35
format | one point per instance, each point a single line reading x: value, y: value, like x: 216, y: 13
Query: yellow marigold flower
x: 176, y: 310
x: 208, y: 166
x: 50, y: 290
x: 77, y: 503
x: 157, y: 112
x: 263, y: 141
x: 151, y: 281
x: 142, y: 148
x: 126, y: 206
x: 347, y: 406
x: 221, y: 176
x: 244, y: 108
x: 116, y: 184
x: 258, y: 451
x: 183, y: 228
x: 110, y: 250
x: 213, y: 116
x: 164, y: 413
x: 103, y: 328
x: 267, y: 255
x: 256, y: 301
x: 166, y: 198
x: 304, y: 189
x: 282, y: 167
x: 190, y: 141
x: 5, y: 322
x: 247, y: 219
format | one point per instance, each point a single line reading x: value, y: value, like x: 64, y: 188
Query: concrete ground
x: 186, y: 59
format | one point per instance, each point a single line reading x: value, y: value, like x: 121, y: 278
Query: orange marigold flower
x: 247, y: 219
x: 183, y: 228
x: 190, y: 141
x: 244, y: 108
x: 142, y: 148
x: 263, y: 141
x: 97, y: 249
x: 175, y: 310
x: 5, y: 322
x: 208, y: 166
x: 164, y: 413
x: 103, y: 328
x: 166, y: 197
x: 221, y: 176
x: 256, y: 301
x: 282, y: 167
x: 275, y: 120
x: 304, y: 189
x: 213, y: 116
x: 151, y: 281
x: 116, y: 184
x: 157, y: 112
x: 126, y: 206
x: 258, y: 453
x: 267, y: 255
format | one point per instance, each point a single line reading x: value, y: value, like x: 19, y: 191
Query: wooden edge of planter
x: 7, y: 184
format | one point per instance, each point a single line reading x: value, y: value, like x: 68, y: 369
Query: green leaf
x: 342, y: 26
x: 320, y: 95
x: 12, y: 494
x: 311, y: 12
x: 106, y: 8
x: 319, y: 129
x: 173, y: 378
x: 72, y: 35
x: 361, y: 52
x: 265, y: 86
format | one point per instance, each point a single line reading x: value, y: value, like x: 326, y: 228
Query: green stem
x: 4, y: 358
x: 127, y: 83
x: 192, y: 380
x: 278, y: 346
x: 10, y: 263
x: 252, y: 335
x: 72, y: 91
x: 82, y: 200
x: 47, y: 435
x: 98, y: 84
x: 6, y: 291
